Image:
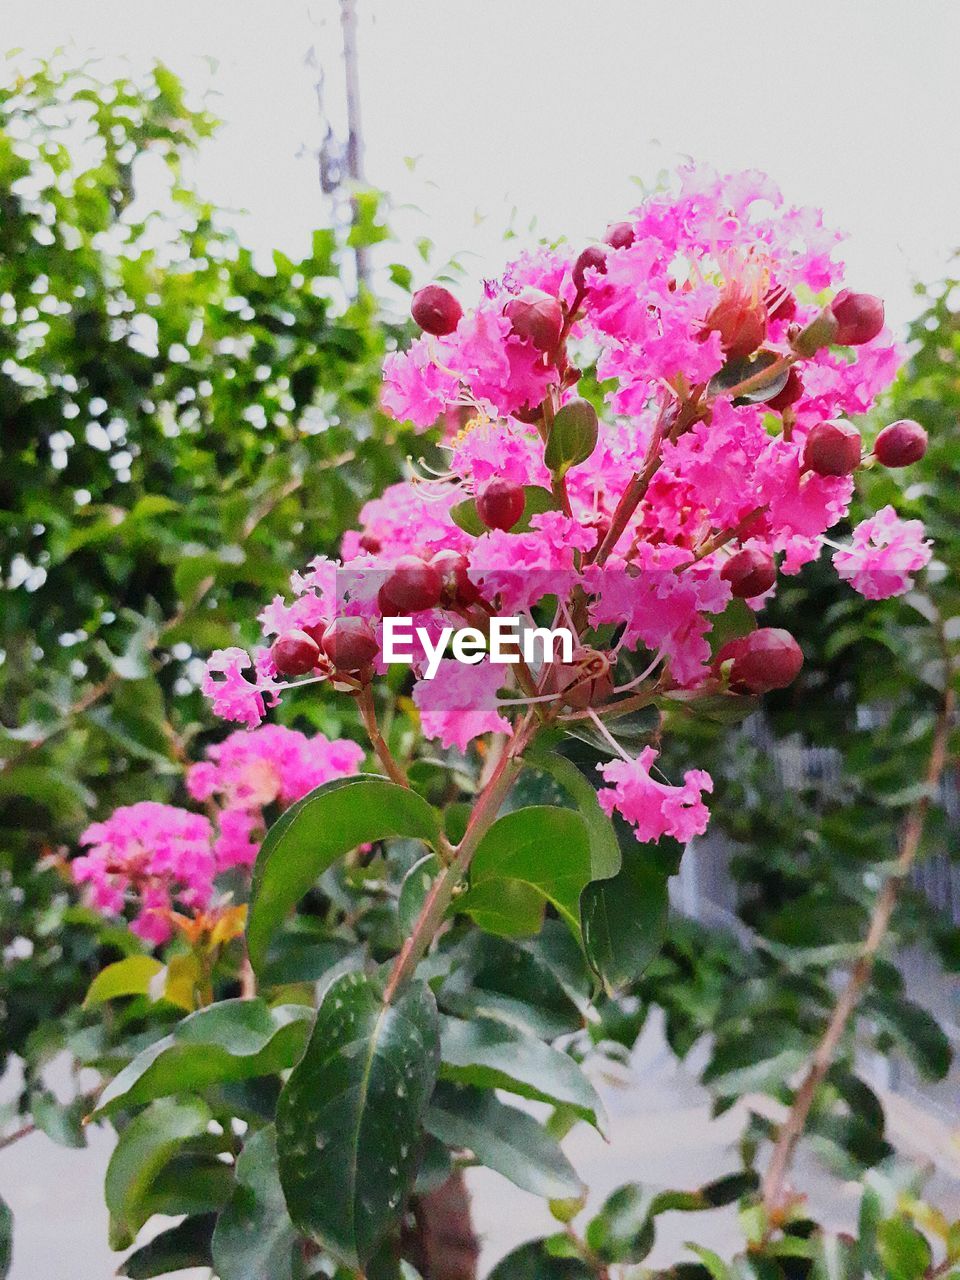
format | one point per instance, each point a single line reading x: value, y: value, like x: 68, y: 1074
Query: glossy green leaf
x: 313, y: 833
x: 532, y: 1262
x: 625, y: 919
x: 503, y: 1138
x: 143, y: 1148
x: 184, y: 1246
x: 414, y: 888
x: 131, y: 976
x: 228, y: 1041
x: 349, y: 1118
x: 254, y: 1237
x: 605, y: 858
x: 493, y: 1055
x: 528, y: 858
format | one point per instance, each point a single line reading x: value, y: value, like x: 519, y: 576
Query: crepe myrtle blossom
x: 248, y: 772
x: 732, y: 358
x: 164, y: 860
x: 157, y: 856
x: 883, y: 554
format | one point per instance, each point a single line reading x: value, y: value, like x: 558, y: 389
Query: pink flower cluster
x: 725, y: 459
x: 157, y: 854
x: 162, y: 858
x: 248, y: 772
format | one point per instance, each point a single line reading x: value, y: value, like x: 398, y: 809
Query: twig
x: 793, y: 1127
x: 22, y: 1132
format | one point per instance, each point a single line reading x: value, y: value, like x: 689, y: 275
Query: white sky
x: 554, y: 107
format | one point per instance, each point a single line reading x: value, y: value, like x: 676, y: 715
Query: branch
x: 793, y: 1127
x: 442, y: 890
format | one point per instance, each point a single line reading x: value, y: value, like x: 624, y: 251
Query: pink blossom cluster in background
x: 160, y: 858
x: 730, y: 360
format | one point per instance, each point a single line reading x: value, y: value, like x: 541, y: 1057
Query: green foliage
x: 314, y: 832
x: 348, y: 1119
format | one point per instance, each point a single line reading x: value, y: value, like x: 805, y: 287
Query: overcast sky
x: 554, y: 108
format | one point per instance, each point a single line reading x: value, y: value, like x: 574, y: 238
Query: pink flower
x: 152, y: 854
x: 249, y: 771
x: 655, y: 808
x: 460, y: 702
x: 884, y: 553
x: 234, y: 696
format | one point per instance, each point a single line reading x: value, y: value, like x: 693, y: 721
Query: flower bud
x: 436, y: 310
x: 586, y: 681
x: 859, y: 317
x: 750, y: 573
x: 412, y: 587
x: 500, y: 503
x: 370, y: 543
x: 457, y: 587
x: 766, y: 659
x: 295, y: 653
x: 901, y: 443
x: 592, y: 256
x: 791, y: 393
x: 620, y: 235
x: 537, y: 318
x: 740, y: 319
x: 818, y: 332
x: 832, y: 449
x: 350, y: 643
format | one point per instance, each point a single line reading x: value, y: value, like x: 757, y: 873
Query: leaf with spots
x: 349, y: 1118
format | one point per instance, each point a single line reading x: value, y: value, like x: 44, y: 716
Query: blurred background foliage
x: 181, y: 427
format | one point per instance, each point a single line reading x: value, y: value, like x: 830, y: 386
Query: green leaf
x: 625, y: 919
x: 185, y: 1245
x: 493, y: 1055
x: 504, y: 1139
x: 537, y: 500
x: 6, y: 1239
x: 61, y: 1123
x: 532, y: 1262
x: 605, y: 857
x: 572, y: 438
x: 129, y: 977
x: 903, y: 1250
x: 314, y: 832
x: 232, y: 1040
x: 528, y: 858
x: 916, y: 1030
x: 349, y: 1118
x: 414, y: 889
x: 254, y: 1236
x: 143, y: 1148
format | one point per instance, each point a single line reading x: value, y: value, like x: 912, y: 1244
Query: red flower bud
x: 901, y: 443
x: 592, y: 256
x: 620, y: 235
x: 859, y: 317
x: 763, y: 660
x: 295, y: 653
x: 457, y: 587
x: 350, y: 643
x: 412, y: 587
x: 750, y: 573
x: 791, y: 393
x: 740, y: 319
x: 500, y: 503
x: 537, y: 318
x: 370, y: 543
x: 436, y: 310
x: 832, y: 449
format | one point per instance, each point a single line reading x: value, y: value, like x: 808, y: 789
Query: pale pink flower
x: 884, y: 552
